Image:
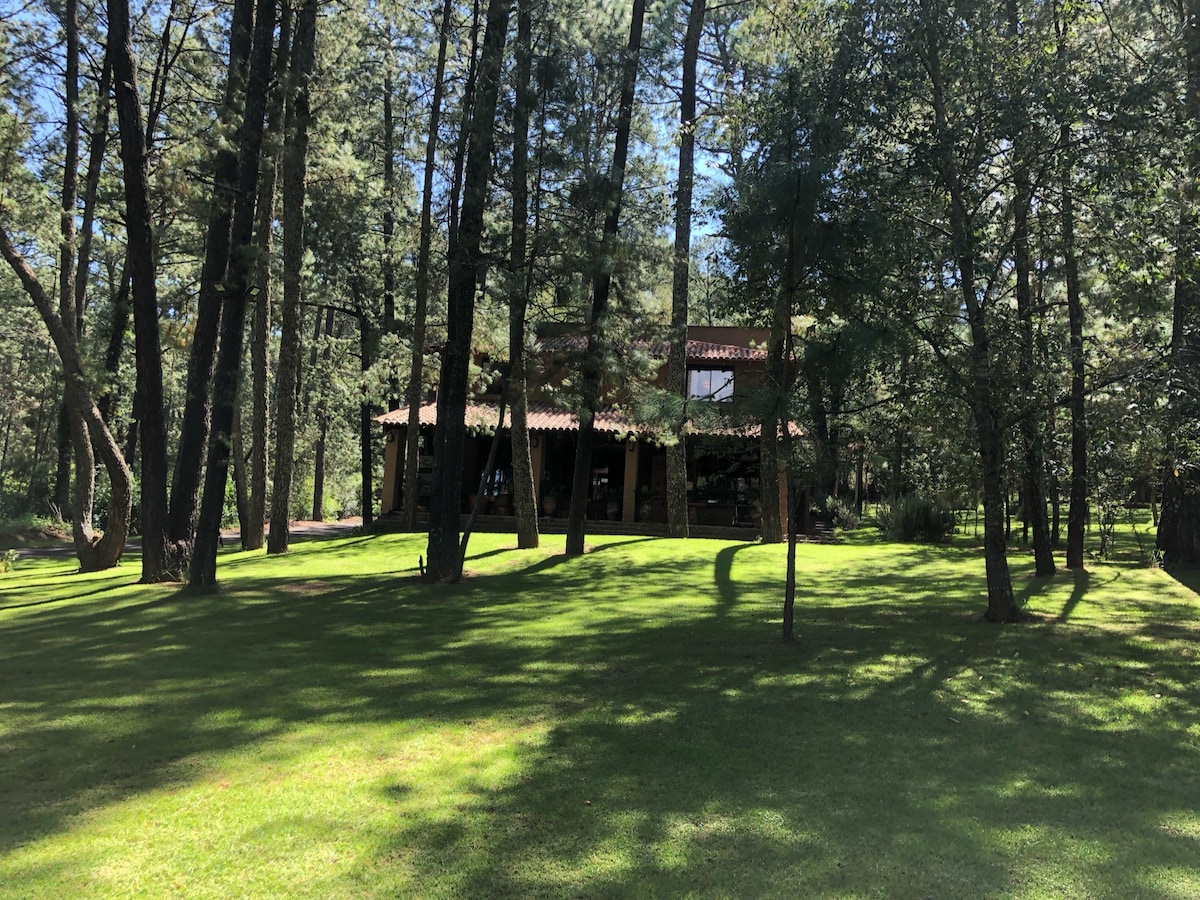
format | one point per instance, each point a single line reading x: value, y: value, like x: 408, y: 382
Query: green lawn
x: 626, y: 724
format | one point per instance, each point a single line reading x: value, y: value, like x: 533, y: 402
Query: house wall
x: 393, y: 465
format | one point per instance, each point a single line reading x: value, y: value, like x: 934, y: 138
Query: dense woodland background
x: 971, y: 226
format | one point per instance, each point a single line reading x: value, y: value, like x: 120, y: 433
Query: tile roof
x: 706, y: 351
x: 544, y: 417
x: 541, y: 417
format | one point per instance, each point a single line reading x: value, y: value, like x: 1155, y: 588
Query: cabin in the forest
x: 628, y: 480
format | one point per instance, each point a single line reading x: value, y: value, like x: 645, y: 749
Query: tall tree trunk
x: 489, y: 467
x: 64, y: 451
x: 241, y: 487
x: 465, y: 261
x: 160, y: 562
x: 322, y: 419
x: 253, y: 532
x: 368, y: 350
x: 677, y: 509
x: 194, y: 428
x: 520, y: 281
x: 389, y: 227
x: 1077, y: 512
x: 1034, y: 476
x: 295, y: 173
x: 87, y: 425
x: 597, y: 348
x: 1179, y: 521
x: 227, y: 375
x: 989, y: 427
x: 769, y: 459
x: 416, y: 377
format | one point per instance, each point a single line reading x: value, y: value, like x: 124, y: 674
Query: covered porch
x: 628, y: 478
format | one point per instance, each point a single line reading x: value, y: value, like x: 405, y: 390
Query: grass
x: 625, y: 724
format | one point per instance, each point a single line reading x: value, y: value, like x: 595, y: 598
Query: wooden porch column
x: 783, y: 495
x: 538, y: 456
x: 393, y: 464
x: 633, y: 452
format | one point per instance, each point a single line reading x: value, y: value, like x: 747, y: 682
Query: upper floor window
x: 710, y: 384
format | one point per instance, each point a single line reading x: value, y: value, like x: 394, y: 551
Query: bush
x: 843, y: 514
x: 917, y: 518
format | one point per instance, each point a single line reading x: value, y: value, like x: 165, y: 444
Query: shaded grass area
x: 625, y: 724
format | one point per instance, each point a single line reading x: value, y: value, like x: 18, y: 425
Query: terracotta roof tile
x: 544, y: 417
x: 696, y: 350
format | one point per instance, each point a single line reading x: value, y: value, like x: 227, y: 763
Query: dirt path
x: 300, y: 531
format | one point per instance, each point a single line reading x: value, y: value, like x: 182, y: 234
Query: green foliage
x: 917, y: 518
x: 8, y: 559
x: 845, y: 516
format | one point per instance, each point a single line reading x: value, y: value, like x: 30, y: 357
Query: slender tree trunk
x: 295, y: 173
x: 253, y: 532
x: 94, y: 552
x: 466, y: 259
x: 1077, y: 513
x: 96, y: 152
x: 460, y: 151
x: 597, y: 349
x: 368, y: 350
x: 484, y: 477
x: 160, y: 561
x: 989, y: 426
x: 1179, y: 520
x: 769, y: 429
x: 322, y: 419
x: 120, y: 310
x: 241, y: 487
x: 421, y: 302
x: 227, y: 375
x: 389, y: 218
x: 1031, y: 426
x: 793, y: 492
x: 194, y: 428
x: 677, y: 509
x: 64, y: 450
x: 524, y: 490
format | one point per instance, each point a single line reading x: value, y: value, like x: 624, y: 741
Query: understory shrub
x: 917, y: 518
x: 843, y: 513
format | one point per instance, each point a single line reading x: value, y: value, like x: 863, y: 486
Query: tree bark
x: 1078, y: 505
x: 160, y: 561
x: 194, y: 428
x: 253, y: 534
x: 322, y: 420
x: 421, y: 301
x: 227, y: 376
x: 368, y: 350
x: 466, y: 260
x: 1179, y: 521
x: 677, y: 509
x: 989, y: 427
x: 295, y: 174
x: 597, y: 348
x: 1034, y: 476
x: 95, y: 552
x: 524, y: 490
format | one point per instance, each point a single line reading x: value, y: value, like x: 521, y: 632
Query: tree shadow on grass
x: 756, y: 770
x: 908, y: 749
x: 1189, y: 578
x: 727, y: 589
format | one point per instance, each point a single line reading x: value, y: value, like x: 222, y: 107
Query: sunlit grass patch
x: 627, y: 723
